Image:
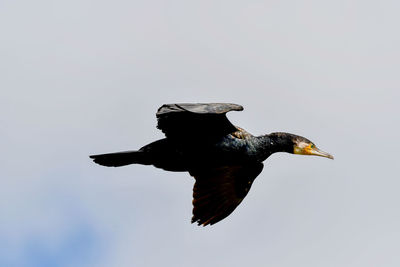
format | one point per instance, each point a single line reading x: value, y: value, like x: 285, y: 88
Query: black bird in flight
x: 223, y: 158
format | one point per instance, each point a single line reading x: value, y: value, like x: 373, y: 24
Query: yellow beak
x: 313, y: 151
x: 316, y: 152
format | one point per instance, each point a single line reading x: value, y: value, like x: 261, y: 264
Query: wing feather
x: 188, y: 121
x: 218, y: 191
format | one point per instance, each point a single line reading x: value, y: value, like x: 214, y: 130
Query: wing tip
x: 200, y: 222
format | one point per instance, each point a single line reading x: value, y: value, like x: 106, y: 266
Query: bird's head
x: 303, y: 146
x: 296, y: 144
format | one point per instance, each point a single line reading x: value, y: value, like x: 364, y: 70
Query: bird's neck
x: 274, y: 142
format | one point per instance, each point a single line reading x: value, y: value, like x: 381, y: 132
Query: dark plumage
x: 224, y: 159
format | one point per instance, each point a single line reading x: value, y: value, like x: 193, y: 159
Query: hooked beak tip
x: 321, y: 153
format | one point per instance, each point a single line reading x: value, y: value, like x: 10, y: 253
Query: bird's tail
x: 162, y: 154
x: 122, y: 158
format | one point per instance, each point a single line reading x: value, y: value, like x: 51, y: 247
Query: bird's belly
x: 226, y: 151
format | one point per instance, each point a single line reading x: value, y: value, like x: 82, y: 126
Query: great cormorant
x: 224, y: 159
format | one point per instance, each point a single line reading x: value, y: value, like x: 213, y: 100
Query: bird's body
x: 224, y: 159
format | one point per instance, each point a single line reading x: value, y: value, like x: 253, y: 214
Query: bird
x: 223, y: 159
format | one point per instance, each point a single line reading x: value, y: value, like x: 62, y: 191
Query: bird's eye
x: 312, y: 145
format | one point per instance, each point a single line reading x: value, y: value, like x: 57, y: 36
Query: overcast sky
x: 86, y: 77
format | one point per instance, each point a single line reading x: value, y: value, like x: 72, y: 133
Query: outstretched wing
x: 218, y: 191
x: 206, y: 121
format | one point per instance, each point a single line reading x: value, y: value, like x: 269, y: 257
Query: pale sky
x: 86, y: 77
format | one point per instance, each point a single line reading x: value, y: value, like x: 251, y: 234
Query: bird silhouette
x: 224, y: 159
